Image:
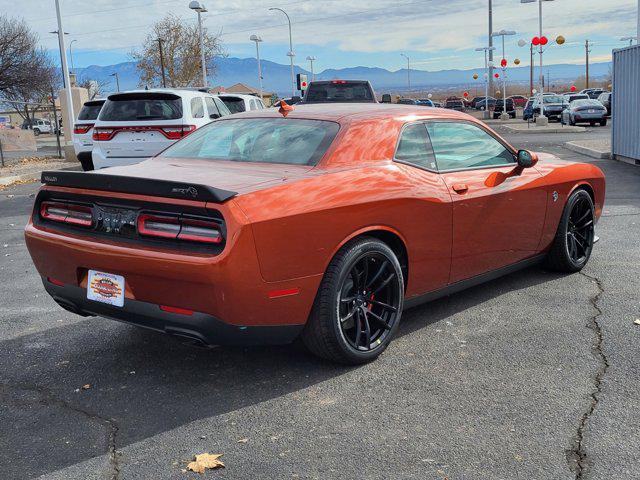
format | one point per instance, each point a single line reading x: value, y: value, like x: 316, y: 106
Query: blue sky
x: 436, y: 34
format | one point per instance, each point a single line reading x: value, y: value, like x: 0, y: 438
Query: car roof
x: 245, y: 96
x: 181, y: 92
x: 355, y: 112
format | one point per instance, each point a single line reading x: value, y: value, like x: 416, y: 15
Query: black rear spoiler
x: 141, y: 186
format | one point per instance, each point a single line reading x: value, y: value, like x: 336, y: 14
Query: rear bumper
x: 100, y: 160
x: 198, y: 326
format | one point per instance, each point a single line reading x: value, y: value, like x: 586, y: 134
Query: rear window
x: 234, y: 104
x: 141, y: 106
x: 260, y: 140
x: 90, y: 111
x: 553, y: 99
x: 356, y: 92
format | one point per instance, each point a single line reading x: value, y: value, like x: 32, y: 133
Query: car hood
x: 240, y: 177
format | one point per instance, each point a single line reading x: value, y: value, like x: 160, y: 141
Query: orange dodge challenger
x: 323, y: 222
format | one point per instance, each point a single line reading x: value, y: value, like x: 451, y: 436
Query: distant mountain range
x: 277, y: 77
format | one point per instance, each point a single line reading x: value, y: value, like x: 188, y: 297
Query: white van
x: 136, y: 125
x: 238, y: 102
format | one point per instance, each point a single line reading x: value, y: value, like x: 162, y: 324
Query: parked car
x: 386, y: 98
x: 39, y: 125
x: 437, y: 104
x: 570, y: 97
x: 585, y: 111
x: 83, y: 132
x: 595, y: 93
x: 425, y: 102
x: 519, y: 100
x: 237, y: 102
x: 339, y: 91
x: 133, y: 126
x: 407, y: 101
x: 261, y: 229
x: 454, y: 104
x: 554, y: 105
x: 527, y: 113
x: 288, y: 101
x: 605, y: 99
x: 498, y: 109
x: 482, y: 104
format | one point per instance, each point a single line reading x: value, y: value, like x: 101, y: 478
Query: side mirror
x: 213, y: 116
x: 526, y: 159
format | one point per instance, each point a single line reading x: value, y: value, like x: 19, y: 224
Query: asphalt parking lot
x: 533, y: 376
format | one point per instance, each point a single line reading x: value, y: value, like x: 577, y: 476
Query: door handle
x: 460, y: 187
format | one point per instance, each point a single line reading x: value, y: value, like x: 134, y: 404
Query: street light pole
x: 311, y: 59
x: 117, y: 80
x: 71, y: 54
x: 200, y: 9
x: 504, y: 33
x: 487, y: 51
x: 164, y: 77
x: 290, y: 53
x: 408, y: 70
x: 490, y: 45
x: 65, y: 72
x: 258, y: 39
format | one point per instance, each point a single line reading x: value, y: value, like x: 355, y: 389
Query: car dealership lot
x: 493, y: 383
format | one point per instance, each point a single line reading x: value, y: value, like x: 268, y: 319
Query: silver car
x: 585, y: 111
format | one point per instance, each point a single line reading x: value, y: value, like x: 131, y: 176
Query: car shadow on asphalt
x: 146, y: 383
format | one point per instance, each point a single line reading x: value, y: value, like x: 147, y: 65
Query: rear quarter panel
x: 299, y: 227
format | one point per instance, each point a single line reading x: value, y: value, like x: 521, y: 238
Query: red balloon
x: 466, y: 94
x: 535, y: 41
x: 544, y: 40
x: 497, y: 75
x: 503, y: 62
x: 573, y: 88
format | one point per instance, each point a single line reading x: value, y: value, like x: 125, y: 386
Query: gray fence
x: 625, y: 137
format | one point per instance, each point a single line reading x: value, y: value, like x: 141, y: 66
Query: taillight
x: 176, y: 133
x: 185, y: 229
x: 82, y: 129
x: 103, y: 134
x: 67, y: 213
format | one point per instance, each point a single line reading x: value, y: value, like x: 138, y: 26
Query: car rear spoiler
x: 141, y: 186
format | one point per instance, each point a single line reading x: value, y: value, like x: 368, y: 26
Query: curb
x: 589, y: 152
x: 542, y: 130
x: 6, y: 181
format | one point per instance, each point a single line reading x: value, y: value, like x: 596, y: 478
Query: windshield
x: 90, y: 111
x: 339, y: 91
x: 261, y: 140
x: 553, y: 99
x: 142, y: 106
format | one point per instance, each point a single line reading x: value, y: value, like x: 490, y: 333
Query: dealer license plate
x: 106, y: 288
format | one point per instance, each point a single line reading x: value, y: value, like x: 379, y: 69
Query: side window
x: 222, y: 108
x: 253, y: 105
x: 197, y: 108
x: 415, y: 147
x: 211, y: 106
x: 462, y: 145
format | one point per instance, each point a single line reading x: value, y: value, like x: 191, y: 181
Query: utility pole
x: 70, y: 120
x: 408, y: 71
x: 587, y: 51
x: 491, y: 45
x: 164, y: 78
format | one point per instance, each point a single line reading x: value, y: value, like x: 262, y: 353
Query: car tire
x: 340, y: 310
x: 36, y: 131
x: 575, y: 236
x: 572, y: 122
x: 603, y: 122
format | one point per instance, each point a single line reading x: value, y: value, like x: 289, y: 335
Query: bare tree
x: 27, y: 74
x: 181, y: 53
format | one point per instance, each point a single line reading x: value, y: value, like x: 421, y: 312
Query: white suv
x: 136, y: 125
x: 41, y: 126
x: 238, y: 102
x: 83, y: 132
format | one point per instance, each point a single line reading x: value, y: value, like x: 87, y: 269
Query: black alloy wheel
x: 369, y: 302
x: 359, y: 303
x: 580, y: 231
x: 573, y: 243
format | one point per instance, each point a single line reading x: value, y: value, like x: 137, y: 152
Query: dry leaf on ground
x: 243, y: 440
x: 86, y: 387
x: 205, y: 461
x: 637, y: 322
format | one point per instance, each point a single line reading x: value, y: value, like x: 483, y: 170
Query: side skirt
x: 472, y: 282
